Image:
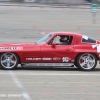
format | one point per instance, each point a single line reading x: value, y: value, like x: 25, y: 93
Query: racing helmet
x: 65, y: 38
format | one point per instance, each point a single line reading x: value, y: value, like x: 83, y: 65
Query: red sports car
x: 54, y: 49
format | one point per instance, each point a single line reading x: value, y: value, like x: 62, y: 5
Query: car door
x: 31, y: 54
x: 59, y: 53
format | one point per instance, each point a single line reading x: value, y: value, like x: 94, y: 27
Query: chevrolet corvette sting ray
x: 80, y: 50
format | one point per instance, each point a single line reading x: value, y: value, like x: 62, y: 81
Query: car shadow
x: 50, y: 69
x: 53, y: 69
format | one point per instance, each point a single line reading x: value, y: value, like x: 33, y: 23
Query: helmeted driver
x: 64, y: 40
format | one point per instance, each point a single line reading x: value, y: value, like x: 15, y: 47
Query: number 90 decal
x: 66, y: 59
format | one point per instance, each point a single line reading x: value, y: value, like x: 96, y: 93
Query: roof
x: 66, y: 33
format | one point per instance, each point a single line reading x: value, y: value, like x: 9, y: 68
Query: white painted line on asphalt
x: 52, y: 74
x: 55, y: 94
x: 81, y: 93
x: 56, y: 74
x: 71, y: 94
x: 28, y: 82
x: 60, y: 82
x: 20, y: 86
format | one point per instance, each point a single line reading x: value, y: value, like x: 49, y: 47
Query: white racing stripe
x: 20, y: 86
x: 50, y: 74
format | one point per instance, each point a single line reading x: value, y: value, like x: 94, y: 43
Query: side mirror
x: 53, y: 45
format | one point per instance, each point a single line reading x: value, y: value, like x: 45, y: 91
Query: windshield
x: 44, y: 39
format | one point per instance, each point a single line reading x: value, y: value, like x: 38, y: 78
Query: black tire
x: 76, y: 64
x: 9, y: 61
x: 87, y: 66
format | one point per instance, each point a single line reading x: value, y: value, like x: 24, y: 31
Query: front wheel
x: 86, y: 61
x: 9, y: 61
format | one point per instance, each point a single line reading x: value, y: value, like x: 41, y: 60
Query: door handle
x: 68, y: 49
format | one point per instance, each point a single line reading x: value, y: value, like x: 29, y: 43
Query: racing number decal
x: 96, y: 46
x: 66, y: 59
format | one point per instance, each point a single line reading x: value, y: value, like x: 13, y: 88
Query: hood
x: 15, y: 46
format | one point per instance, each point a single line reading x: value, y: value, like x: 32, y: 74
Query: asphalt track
x: 25, y: 24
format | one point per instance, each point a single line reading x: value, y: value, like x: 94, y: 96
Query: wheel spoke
x: 83, y: 58
x: 8, y: 64
x: 91, y: 61
x: 11, y: 56
x: 82, y: 64
x: 3, y: 61
x: 88, y: 57
x: 13, y: 62
x: 88, y: 65
x: 5, y: 56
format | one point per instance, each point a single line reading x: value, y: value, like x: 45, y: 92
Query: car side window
x: 58, y: 40
x: 87, y: 39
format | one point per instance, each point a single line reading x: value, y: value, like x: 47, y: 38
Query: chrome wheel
x: 87, y: 61
x: 8, y: 60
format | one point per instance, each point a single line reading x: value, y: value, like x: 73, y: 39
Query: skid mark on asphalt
x: 20, y: 86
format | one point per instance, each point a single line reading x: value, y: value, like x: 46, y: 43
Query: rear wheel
x: 9, y: 61
x: 86, y: 61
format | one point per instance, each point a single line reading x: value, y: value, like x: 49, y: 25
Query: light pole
x: 94, y: 8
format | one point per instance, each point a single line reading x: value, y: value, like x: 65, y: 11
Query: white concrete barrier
x: 55, y: 1
x: 29, y: 0
x: 63, y: 1
x: 72, y: 1
x: 4, y: 0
